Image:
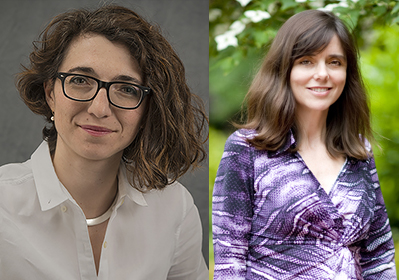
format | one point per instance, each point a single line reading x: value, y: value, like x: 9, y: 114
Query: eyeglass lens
x: 120, y: 94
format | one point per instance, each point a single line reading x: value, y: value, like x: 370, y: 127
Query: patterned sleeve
x: 378, y: 251
x: 232, y: 209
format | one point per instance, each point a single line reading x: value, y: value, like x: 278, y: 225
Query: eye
x: 78, y: 80
x: 129, y: 89
x: 126, y: 89
x: 336, y: 63
x: 305, y: 62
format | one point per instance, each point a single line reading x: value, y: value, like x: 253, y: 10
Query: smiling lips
x: 320, y: 91
x: 96, y: 131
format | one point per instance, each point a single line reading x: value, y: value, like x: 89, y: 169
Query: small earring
x: 52, y: 117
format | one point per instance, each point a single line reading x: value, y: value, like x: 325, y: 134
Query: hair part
x: 172, y: 133
x: 271, y: 104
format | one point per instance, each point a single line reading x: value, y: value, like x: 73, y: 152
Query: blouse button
x: 64, y: 208
x: 105, y: 244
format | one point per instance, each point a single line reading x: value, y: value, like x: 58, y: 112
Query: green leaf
x: 353, y: 17
x: 379, y: 10
x: 261, y: 38
x: 226, y: 64
x: 395, y: 20
x: 288, y: 4
x: 350, y: 16
x: 395, y: 9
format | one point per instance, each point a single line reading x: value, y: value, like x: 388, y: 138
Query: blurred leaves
x: 238, y: 61
x: 380, y: 71
x: 375, y: 25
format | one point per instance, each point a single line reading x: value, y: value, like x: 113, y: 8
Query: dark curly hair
x: 171, y: 138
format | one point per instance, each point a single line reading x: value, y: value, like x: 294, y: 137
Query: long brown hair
x: 270, y: 101
x: 172, y: 134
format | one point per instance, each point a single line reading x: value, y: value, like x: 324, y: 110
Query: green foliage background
x: 375, y: 25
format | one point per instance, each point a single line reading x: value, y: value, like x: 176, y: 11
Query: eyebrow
x: 339, y: 56
x: 86, y: 70
x: 126, y: 78
x: 91, y: 71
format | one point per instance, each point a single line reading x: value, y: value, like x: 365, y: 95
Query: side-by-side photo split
x: 199, y: 139
x: 104, y: 140
x: 303, y: 139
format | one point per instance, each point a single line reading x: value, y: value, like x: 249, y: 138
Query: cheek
x: 298, y: 77
x: 64, y: 105
x: 340, y: 79
x: 68, y: 110
x: 131, y: 122
x: 296, y: 80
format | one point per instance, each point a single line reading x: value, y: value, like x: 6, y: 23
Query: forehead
x: 335, y: 46
x: 315, y: 46
x: 95, y: 51
x: 332, y: 49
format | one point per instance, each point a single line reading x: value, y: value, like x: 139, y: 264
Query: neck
x: 312, y: 128
x: 92, y: 184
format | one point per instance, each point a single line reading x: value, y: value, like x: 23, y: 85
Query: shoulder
x: 237, y: 143
x: 17, y: 186
x: 239, y: 140
x: 240, y: 137
x: 238, y: 155
x: 15, y: 173
x: 173, y: 191
x: 174, y: 198
x: 368, y: 147
x: 170, y: 208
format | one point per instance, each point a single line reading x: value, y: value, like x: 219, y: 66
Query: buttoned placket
x: 85, y: 255
x: 103, y: 272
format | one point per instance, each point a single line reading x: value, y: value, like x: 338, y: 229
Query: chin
x: 98, y: 154
x: 320, y: 106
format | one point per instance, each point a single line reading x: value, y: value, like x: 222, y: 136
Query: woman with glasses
x: 99, y: 198
x: 297, y: 194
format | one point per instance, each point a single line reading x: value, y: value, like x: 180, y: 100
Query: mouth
x: 320, y: 89
x: 96, y: 130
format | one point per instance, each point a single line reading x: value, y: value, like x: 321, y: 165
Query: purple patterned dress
x: 273, y: 220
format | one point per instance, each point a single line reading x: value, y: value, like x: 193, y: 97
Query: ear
x: 49, y: 91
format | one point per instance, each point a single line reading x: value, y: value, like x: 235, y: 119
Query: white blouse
x: 43, y: 232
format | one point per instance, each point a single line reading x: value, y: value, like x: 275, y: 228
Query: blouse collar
x: 126, y: 189
x: 52, y: 193
x: 49, y: 188
x: 289, y: 143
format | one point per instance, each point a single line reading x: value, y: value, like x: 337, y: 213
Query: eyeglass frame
x: 101, y: 84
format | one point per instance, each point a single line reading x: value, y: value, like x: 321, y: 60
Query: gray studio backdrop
x: 183, y: 22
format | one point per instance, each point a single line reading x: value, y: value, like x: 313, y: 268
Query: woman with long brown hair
x: 297, y: 194
x: 99, y: 198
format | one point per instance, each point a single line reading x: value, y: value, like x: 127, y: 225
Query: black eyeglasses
x: 85, y: 88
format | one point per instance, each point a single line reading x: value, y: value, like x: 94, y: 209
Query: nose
x: 321, y: 72
x: 100, y: 106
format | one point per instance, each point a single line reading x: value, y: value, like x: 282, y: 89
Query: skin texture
x: 107, y: 61
x: 325, y: 70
